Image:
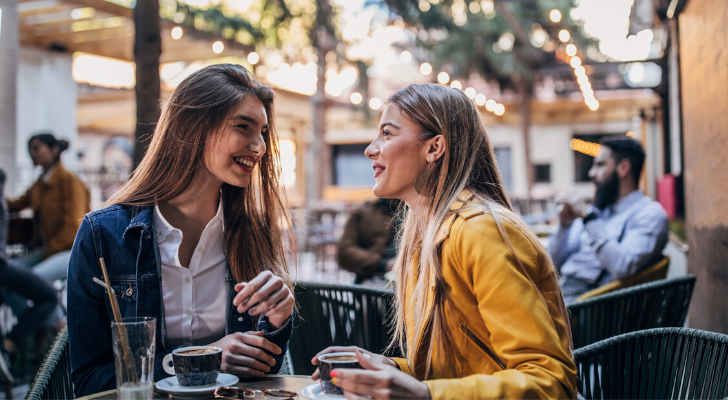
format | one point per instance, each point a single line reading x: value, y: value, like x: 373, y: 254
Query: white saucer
x: 171, y: 386
x: 316, y: 392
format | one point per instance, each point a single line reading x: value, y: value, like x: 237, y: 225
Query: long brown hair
x: 189, y: 128
x: 468, y: 163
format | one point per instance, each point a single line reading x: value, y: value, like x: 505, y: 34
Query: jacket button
x: 240, y: 319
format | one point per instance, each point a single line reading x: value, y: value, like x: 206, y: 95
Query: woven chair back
x: 659, y: 304
x: 662, y: 363
x: 54, y: 376
x: 652, y: 273
x: 337, y: 315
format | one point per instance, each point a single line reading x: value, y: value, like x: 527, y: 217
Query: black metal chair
x: 659, y: 304
x: 337, y: 315
x: 54, y: 376
x: 662, y: 363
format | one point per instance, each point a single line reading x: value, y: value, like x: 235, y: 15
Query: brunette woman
x: 197, y: 222
x: 59, y: 201
x: 479, y: 312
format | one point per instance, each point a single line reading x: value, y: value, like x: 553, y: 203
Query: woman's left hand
x: 267, y: 295
x: 378, y: 381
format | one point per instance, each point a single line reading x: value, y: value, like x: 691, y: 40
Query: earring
x: 421, y: 179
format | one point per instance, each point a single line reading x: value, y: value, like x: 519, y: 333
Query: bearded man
x: 621, y: 234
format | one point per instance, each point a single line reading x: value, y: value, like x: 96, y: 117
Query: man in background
x: 367, y: 245
x: 620, y: 235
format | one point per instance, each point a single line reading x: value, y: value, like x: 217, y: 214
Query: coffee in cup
x: 194, y: 365
x: 331, y: 361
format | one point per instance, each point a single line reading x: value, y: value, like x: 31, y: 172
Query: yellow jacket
x: 58, y: 207
x: 506, y: 334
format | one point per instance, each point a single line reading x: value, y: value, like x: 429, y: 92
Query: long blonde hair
x: 188, y: 129
x: 468, y: 163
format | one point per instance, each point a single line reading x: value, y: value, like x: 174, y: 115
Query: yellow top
x: 506, y: 334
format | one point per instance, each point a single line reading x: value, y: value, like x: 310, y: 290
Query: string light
x: 218, y: 47
x: 564, y: 35
x: 177, y: 33
x: 490, y: 105
x: 253, y: 58
x: 575, y: 62
x: 405, y: 57
x: 499, y: 110
x: 480, y: 99
x: 555, y: 15
x: 356, y: 98
x: 584, y: 147
x: 571, y: 50
x: 443, y: 77
x: 470, y: 92
x: 456, y: 85
x: 426, y: 68
x: 375, y: 103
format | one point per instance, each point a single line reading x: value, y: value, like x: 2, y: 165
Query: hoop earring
x: 422, y: 178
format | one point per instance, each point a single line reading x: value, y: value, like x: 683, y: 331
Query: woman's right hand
x: 242, y: 354
x: 334, y: 349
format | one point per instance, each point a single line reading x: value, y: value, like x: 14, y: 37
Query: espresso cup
x: 194, y: 365
x: 330, y: 361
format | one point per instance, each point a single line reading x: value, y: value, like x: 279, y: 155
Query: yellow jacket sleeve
x: 522, y: 330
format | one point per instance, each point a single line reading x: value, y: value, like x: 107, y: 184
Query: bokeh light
x: 177, y: 33
x: 564, y: 35
x: 356, y: 98
x: 443, y: 77
x: 253, y: 58
x: 218, y: 47
x: 425, y: 69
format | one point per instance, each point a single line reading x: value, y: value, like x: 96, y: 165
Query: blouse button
x: 240, y: 319
x: 188, y: 280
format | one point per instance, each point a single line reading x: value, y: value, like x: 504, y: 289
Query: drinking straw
x: 129, y: 363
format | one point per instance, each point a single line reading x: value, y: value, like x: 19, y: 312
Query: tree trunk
x: 318, y: 157
x: 525, y: 90
x: 147, y: 50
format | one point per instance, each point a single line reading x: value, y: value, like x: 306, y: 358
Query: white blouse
x: 195, y: 297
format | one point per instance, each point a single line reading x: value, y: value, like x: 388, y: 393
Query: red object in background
x: 667, y: 194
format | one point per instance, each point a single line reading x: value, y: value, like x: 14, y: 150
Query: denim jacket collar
x: 141, y: 218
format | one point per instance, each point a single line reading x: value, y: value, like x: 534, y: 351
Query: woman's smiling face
x: 241, y: 144
x: 398, y: 155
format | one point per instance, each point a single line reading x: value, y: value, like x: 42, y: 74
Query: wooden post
x: 147, y: 50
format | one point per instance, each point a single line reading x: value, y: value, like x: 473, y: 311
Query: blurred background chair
x: 663, y: 363
x: 657, y: 304
x: 652, y: 273
x: 54, y: 377
x: 337, y: 315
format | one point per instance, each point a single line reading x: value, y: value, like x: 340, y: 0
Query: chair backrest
x: 337, y: 315
x: 654, y: 272
x: 660, y: 304
x: 54, y: 376
x: 663, y: 363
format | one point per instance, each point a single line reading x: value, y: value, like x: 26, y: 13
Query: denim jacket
x: 124, y: 237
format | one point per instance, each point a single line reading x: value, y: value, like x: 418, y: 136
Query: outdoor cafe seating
x: 337, y: 315
x: 662, y: 363
x: 658, y: 304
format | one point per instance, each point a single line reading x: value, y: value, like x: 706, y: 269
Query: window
x: 351, y: 167
x: 503, y: 159
x: 543, y: 173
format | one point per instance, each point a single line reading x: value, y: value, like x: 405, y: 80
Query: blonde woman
x: 479, y: 312
x: 192, y: 239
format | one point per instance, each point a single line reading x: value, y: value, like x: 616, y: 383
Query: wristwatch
x: 592, y: 214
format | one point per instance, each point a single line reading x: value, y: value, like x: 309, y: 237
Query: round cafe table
x: 294, y: 383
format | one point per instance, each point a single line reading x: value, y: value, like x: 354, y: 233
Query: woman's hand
x: 334, y: 349
x: 267, y: 295
x: 378, y: 380
x: 242, y: 354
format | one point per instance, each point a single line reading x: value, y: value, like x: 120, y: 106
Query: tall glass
x: 134, y: 349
